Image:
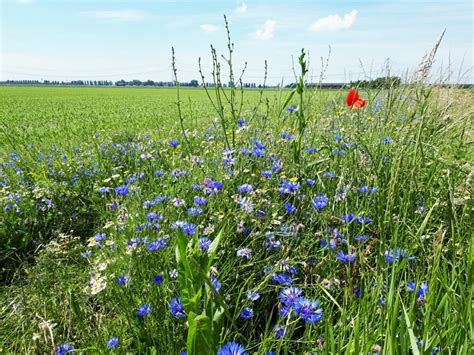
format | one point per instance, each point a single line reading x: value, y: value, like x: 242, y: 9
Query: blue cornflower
x: 121, y: 190
x: 204, y: 243
x: 266, y: 173
x: 346, y: 218
x: 153, y: 216
x: 253, y: 295
x: 103, y: 189
x: 291, y: 109
x: 411, y: 286
x: 194, y: 211
x: 286, y: 135
x: 290, y: 208
x: 288, y: 186
x: 63, y: 349
x: 188, y: 228
x: 245, y: 252
x: 284, y: 310
x: 387, y: 140
x: 311, y: 149
x: 396, y: 255
x: 199, y: 201
x: 308, y: 310
x: 280, y: 330
x: 346, y: 258
x: 173, y: 143
x: 282, y: 278
x: 112, y: 343
x: 381, y: 301
x: 310, y: 182
x: 215, y: 185
x: 423, y: 290
x: 246, y: 312
x: 320, y: 201
x: 159, y: 173
x: 215, y: 282
x: 99, y: 236
x: 361, y: 237
x: 159, y: 243
x: 232, y: 348
x: 289, y: 295
x: 338, y: 138
x: 241, y: 122
x: 177, y: 308
x: 122, y: 280
x: 363, y: 219
x: 245, y: 188
x: 143, y: 310
x: 158, y: 279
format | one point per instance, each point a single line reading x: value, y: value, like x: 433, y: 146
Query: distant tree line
x: 57, y: 82
x: 379, y: 83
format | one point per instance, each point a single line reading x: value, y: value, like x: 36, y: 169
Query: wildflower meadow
x: 226, y: 220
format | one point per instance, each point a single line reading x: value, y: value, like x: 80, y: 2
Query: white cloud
x: 241, y: 8
x: 267, y: 31
x: 208, y: 28
x: 120, y: 15
x: 334, y: 22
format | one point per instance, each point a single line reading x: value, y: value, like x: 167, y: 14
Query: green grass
x: 423, y: 204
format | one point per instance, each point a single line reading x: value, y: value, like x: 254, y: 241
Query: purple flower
x: 204, y: 243
x: 280, y: 330
x: 288, y: 186
x: 241, y: 122
x: 173, y: 143
x: 286, y: 135
x: 423, y: 290
x: 253, y: 295
x: 396, y: 255
x: 122, y: 280
x: 245, y: 252
x: 361, y: 238
x: 246, y: 312
x: 346, y: 258
x: 289, y: 207
x: 347, y: 218
x: 281, y: 278
x: 188, y: 228
x: 195, y: 211
x: 199, y: 201
x: 215, y: 282
x: 232, y: 348
x: 63, y: 349
x: 159, y: 243
x: 245, y: 188
x: 158, y: 279
x: 320, y: 201
x: 112, y: 343
x: 153, y: 216
x: 308, y: 310
x: 121, y: 190
x: 289, y: 295
x: 143, y: 310
x: 177, y: 308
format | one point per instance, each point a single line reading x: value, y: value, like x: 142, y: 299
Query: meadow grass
x: 113, y: 217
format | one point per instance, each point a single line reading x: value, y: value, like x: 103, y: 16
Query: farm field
x: 333, y: 229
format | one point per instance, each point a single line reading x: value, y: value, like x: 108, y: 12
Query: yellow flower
x: 294, y: 179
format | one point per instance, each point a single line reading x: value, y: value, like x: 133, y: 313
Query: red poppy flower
x: 354, y: 100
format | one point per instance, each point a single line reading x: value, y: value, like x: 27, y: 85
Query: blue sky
x: 110, y: 40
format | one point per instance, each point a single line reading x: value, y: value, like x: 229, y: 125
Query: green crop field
x: 287, y: 222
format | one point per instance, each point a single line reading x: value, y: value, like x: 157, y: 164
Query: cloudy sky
x: 111, y: 40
